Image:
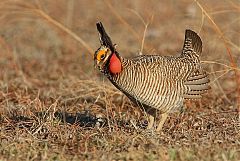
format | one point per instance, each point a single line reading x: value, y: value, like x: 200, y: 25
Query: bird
x: 157, y: 84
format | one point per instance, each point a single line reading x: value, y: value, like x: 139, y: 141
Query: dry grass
x: 55, y: 106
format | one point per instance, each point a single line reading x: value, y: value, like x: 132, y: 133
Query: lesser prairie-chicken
x: 157, y: 84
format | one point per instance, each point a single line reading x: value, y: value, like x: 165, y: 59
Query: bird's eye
x: 102, y: 56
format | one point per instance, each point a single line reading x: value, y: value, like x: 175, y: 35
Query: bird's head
x: 106, y: 58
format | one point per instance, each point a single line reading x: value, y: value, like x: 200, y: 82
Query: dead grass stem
x: 226, y: 42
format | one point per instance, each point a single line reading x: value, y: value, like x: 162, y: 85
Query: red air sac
x: 115, y: 64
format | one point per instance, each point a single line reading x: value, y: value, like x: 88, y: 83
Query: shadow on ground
x: 82, y: 119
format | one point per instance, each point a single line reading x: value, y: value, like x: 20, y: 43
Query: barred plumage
x: 158, y: 84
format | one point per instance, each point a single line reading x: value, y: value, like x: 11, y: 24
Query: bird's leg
x: 162, y: 120
x: 150, y: 122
